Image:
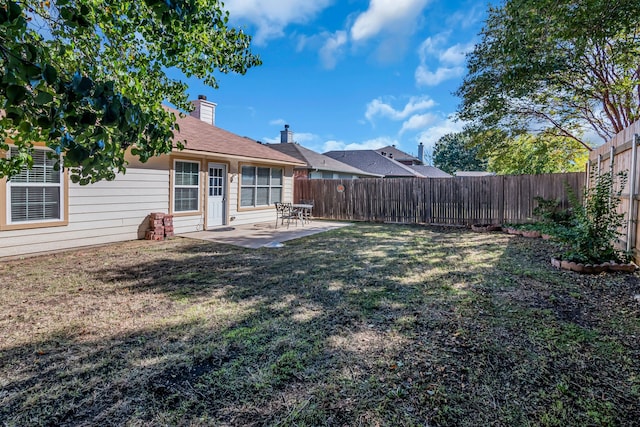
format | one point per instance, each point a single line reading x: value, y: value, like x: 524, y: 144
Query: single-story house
x: 219, y: 179
x: 373, y: 161
x: 474, y: 173
x: 317, y: 166
x: 430, y: 171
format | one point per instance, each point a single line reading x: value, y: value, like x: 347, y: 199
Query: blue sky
x: 348, y: 74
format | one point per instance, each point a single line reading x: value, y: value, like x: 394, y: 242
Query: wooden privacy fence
x: 454, y: 201
x: 623, y: 149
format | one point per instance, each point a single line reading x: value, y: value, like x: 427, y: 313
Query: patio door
x: 217, y: 195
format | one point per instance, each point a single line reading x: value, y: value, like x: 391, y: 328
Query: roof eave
x: 235, y: 157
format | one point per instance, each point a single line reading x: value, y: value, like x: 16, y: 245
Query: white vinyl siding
x: 36, y: 194
x: 261, y: 186
x: 115, y: 211
x: 186, y: 186
x: 99, y: 213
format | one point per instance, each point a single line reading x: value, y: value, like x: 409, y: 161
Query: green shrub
x: 550, y: 211
x: 596, y: 224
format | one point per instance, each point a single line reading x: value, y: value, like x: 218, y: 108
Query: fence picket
x: 455, y: 201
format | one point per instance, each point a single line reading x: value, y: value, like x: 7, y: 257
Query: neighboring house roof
x: 430, y: 171
x: 474, y: 173
x: 201, y: 136
x: 398, y: 155
x: 318, y: 161
x: 373, y: 162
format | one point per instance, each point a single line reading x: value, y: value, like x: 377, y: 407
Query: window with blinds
x: 260, y: 186
x: 186, y: 186
x: 35, y: 194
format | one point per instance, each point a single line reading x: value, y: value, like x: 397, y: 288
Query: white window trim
x: 256, y: 186
x: 185, y: 186
x: 61, y: 203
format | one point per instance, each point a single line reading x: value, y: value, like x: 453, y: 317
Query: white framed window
x: 186, y: 186
x: 35, y: 195
x: 260, y: 186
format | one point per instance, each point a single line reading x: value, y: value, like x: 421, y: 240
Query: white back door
x: 217, y: 195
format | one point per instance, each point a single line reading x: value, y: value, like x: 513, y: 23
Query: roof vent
x: 204, y: 97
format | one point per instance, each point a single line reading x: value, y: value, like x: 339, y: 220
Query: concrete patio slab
x: 263, y: 234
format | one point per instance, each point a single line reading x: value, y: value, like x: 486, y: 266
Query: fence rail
x: 454, y: 201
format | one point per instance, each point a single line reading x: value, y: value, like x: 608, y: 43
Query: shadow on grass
x: 370, y: 325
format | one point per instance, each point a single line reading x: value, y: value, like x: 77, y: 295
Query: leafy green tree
x: 456, y: 152
x: 561, y: 65
x: 88, y: 77
x: 535, y: 154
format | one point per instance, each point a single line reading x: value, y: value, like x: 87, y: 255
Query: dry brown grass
x: 368, y: 325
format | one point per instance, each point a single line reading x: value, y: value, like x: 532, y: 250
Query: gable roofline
x: 317, y: 161
x: 374, y: 162
x: 204, y: 138
x: 397, y: 154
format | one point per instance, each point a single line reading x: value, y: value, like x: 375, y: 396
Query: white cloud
x: 467, y: 18
x: 378, y: 107
x: 387, y: 15
x: 431, y: 135
x: 418, y: 121
x: 302, y: 138
x: 370, y: 144
x: 432, y: 45
x: 426, y: 77
x: 271, y: 17
x: 278, y: 122
x: 450, y: 60
x: 332, y: 48
x: 268, y: 140
x: 456, y: 54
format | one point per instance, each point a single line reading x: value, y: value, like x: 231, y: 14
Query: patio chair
x: 284, y: 211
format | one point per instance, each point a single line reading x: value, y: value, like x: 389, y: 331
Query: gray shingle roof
x: 318, y: 161
x: 430, y: 171
x: 473, y: 173
x: 398, y: 155
x: 373, y: 162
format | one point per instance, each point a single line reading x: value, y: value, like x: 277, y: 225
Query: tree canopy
x: 88, y: 77
x: 455, y: 152
x: 560, y: 66
x: 535, y: 154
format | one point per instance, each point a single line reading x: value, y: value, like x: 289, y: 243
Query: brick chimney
x: 204, y: 110
x: 286, y: 136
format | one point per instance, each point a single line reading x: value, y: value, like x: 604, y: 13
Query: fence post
x: 611, y: 154
x: 631, y: 232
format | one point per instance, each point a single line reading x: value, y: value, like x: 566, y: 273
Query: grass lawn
x: 367, y: 325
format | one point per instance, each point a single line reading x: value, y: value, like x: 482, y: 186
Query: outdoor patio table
x: 304, y: 211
